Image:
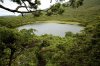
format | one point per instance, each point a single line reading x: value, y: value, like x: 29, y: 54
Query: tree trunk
x: 41, y: 61
x: 11, y: 57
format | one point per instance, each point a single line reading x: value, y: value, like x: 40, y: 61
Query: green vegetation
x: 12, y: 43
x: 14, y: 21
x: 73, y: 50
x: 24, y: 48
x: 84, y: 14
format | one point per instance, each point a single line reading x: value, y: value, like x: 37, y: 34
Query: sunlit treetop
x: 33, y: 6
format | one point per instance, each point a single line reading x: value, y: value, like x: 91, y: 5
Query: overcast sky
x: 44, y: 4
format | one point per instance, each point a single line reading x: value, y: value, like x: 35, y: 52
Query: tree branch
x: 20, y: 7
x: 25, y: 5
x: 11, y: 10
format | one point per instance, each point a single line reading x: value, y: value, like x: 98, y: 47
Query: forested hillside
x: 24, y: 48
x: 88, y: 11
x: 83, y: 14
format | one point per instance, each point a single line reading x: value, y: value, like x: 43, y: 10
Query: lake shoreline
x: 60, y: 22
x: 51, y: 21
x: 54, y: 28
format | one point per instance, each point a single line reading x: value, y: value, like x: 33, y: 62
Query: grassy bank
x: 55, y: 21
x: 13, y: 22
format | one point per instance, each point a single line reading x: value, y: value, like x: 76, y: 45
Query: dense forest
x: 24, y: 48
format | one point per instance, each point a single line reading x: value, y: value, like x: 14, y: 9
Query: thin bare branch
x: 25, y: 5
x: 11, y: 10
x: 18, y: 7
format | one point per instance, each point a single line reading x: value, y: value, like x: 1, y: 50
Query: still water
x: 55, y: 29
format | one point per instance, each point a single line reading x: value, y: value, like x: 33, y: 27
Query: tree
x: 34, y: 5
x: 12, y: 43
x: 86, y: 50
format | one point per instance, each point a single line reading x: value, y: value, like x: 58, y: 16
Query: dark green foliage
x: 37, y: 13
x: 65, y: 4
x: 86, y: 50
x: 72, y: 50
x: 57, y: 9
x: 75, y: 50
x: 12, y: 43
x: 49, y: 13
x: 24, y: 48
x: 60, y: 11
x: 69, y: 34
x: 76, y: 3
